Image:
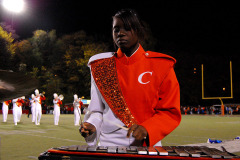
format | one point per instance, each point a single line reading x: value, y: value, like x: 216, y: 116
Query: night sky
x: 206, y: 27
x: 194, y: 32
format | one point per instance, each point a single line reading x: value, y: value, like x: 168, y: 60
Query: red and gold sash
x: 80, y: 104
x: 104, y: 72
x: 59, y: 103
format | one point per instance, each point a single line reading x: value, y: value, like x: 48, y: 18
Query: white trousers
x: 38, y: 113
x: 56, y: 114
x: 19, y: 114
x: 33, y: 109
x: 15, y: 114
x: 77, y: 114
x: 5, y: 112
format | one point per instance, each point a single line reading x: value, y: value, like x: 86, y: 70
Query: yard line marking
x: 11, y: 132
x: 32, y: 157
x: 233, y: 122
x: 70, y: 140
x: 189, y: 136
x: 31, y: 133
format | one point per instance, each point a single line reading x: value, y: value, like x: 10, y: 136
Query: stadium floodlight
x: 220, y: 98
x: 15, y: 6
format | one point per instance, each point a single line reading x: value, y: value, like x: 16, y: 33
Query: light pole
x: 14, y: 6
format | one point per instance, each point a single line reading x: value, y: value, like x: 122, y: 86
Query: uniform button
x: 147, y: 54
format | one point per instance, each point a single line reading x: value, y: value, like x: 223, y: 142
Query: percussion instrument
x: 77, y: 152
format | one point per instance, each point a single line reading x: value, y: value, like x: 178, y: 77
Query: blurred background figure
x: 17, y: 104
x: 57, y: 101
x: 33, y: 108
x: 5, y: 109
x: 77, y: 104
x: 20, y: 104
x: 38, y: 106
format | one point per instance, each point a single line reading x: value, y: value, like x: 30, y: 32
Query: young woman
x: 135, y: 97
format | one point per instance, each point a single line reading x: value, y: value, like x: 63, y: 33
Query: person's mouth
x: 122, y: 41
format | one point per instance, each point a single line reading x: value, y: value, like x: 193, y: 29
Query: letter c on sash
x: 141, y: 76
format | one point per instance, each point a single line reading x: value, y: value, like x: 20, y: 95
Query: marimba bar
x: 77, y: 152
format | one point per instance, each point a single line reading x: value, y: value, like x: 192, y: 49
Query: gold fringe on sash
x: 105, y: 75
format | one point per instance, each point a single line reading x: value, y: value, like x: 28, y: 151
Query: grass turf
x: 26, y: 141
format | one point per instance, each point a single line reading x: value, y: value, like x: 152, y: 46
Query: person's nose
x: 121, y: 33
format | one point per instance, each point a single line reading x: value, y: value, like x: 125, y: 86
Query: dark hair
x: 131, y: 21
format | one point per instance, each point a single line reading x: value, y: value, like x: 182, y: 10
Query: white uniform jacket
x: 101, y: 116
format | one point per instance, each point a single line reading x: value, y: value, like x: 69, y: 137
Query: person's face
x: 123, y: 38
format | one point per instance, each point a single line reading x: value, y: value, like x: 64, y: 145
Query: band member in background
x: 133, y: 89
x: 17, y: 104
x: 56, y: 112
x: 33, y: 107
x: 5, y: 109
x: 77, y: 104
x: 20, y: 104
x: 38, y: 106
x: 28, y: 106
x: 15, y: 111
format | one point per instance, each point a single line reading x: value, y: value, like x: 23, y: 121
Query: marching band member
x: 56, y: 102
x: 15, y: 111
x: 77, y: 104
x: 5, y: 110
x: 20, y: 104
x: 17, y: 103
x: 38, y: 106
x: 33, y: 108
x: 133, y: 89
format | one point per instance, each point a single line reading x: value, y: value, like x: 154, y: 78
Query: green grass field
x: 26, y: 141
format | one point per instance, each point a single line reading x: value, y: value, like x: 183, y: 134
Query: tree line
x: 60, y: 63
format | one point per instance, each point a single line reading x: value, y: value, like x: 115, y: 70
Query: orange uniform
x: 7, y: 102
x: 41, y: 98
x: 59, y: 102
x: 20, y: 102
x: 151, y: 91
x: 145, y: 91
x: 80, y: 104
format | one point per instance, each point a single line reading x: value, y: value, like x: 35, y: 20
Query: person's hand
x: 87, y: 129
x: 138, y: 132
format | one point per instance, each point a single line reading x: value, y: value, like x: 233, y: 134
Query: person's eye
x: 115, y: 30
x: 128, y: 29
